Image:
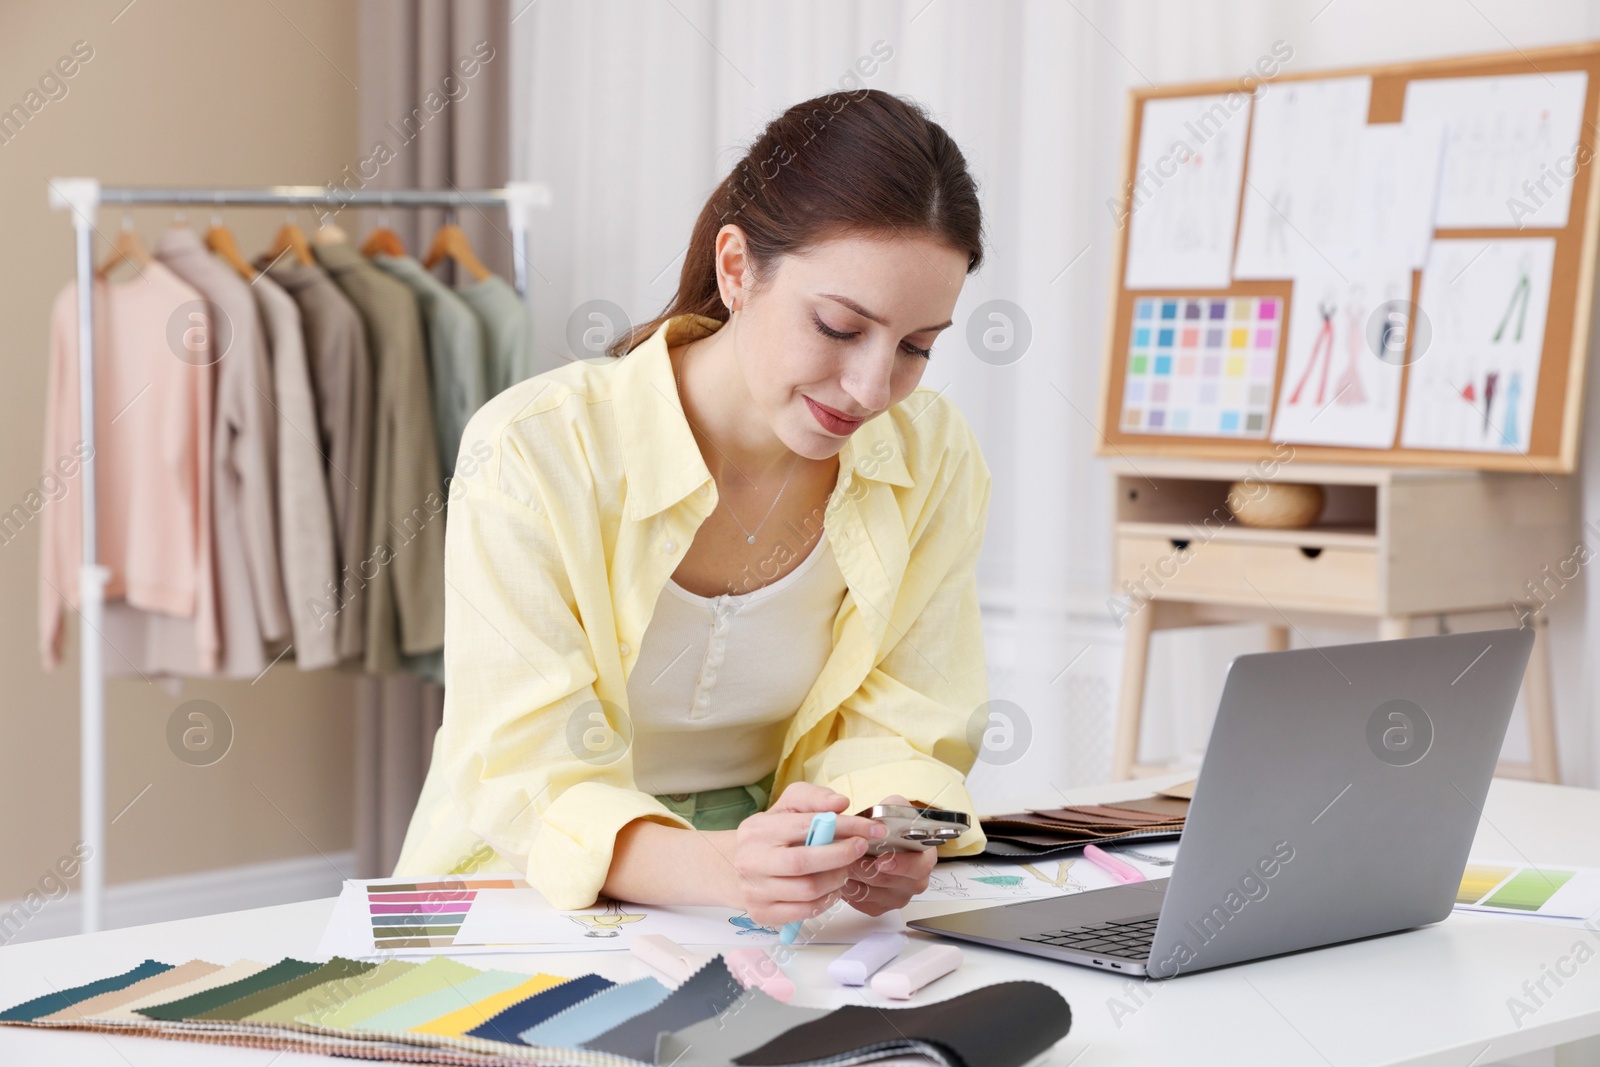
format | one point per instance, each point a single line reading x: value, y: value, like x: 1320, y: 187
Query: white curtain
x: 634, y: 109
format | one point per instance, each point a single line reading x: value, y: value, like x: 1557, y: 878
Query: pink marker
x: 1121, y: 870
x: 899, y: 980
x: 754, y: 968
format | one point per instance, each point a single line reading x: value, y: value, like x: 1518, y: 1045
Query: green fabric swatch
x: 438, y: 973
x: 430, y: 1006
x: 65, y: 998
x: 336, y: 969
x: 189, y: 1006
x: 327, y: 998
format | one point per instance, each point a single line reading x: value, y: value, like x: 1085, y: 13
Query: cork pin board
x: 1403, y: 274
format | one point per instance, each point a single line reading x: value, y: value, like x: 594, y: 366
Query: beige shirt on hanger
x: 249, y: 586
x: 404, y: 569
x: 341, y: 374
x: 305, y: 517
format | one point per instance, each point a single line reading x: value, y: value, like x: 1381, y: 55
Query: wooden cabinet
x: 1391, y: 544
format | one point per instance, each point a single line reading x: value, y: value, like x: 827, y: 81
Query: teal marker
x: 820, y: 833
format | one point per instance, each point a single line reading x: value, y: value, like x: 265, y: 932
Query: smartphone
x: 913, y: 829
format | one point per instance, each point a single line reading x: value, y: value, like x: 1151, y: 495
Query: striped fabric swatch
x: 430, y: 977
x: 459, y: 1015
x: 476, y: 1014
x: 51, y: 1003
x: 541, y: 1006
x: 424, y: 1009
x: 129, y: 1012
x: 593, y: 1017
x: 154, y: 985
x: 324, y: 999
x: 266, y: 978
x: 334, y: 970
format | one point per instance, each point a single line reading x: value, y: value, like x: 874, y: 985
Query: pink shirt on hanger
x: 153, y: 418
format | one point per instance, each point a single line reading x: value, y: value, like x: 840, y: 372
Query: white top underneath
x: 718, y: 678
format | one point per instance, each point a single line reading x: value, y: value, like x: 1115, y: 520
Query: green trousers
x: 721, y: 809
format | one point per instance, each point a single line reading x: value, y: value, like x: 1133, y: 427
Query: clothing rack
x: 83, y: 197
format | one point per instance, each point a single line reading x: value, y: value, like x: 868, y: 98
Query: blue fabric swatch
x: 601, y: 1012
x: 66, y: 998
x: 526, y: 1014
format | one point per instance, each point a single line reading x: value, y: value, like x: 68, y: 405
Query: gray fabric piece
x: 746, y: 1024
x: 703, y: 995
x: 507, y: 332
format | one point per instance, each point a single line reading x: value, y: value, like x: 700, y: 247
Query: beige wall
x: 178, y: 92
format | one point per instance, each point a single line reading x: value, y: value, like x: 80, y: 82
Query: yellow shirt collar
x: 660, y: 455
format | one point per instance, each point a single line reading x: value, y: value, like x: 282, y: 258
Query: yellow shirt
x: 576, y: 495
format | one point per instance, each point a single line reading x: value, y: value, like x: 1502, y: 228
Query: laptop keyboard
x: 1123, y: 938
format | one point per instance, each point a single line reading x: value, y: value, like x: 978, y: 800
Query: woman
x: 697, y: 593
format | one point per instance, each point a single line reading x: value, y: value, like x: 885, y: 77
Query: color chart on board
x: 1549, y: 892
x: 425, y: 914
x: 1202, y: 366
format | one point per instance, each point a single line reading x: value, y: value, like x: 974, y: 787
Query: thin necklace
x: 749, y: 535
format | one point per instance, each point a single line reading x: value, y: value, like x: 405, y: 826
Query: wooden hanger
x: 291, y: 236
x: 220, y: 240
x: 329, y: 233
x: 383, y: 241
x: 126, y: 248
x: 451, y: 241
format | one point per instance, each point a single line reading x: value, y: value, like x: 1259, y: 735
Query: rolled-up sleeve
x: 526, y: 747
x: 910, y: 727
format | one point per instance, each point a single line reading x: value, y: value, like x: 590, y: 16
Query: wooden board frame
x: 1558, y: 412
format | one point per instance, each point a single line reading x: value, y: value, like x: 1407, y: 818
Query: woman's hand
x: 779, y: 878
x: 883, y: 883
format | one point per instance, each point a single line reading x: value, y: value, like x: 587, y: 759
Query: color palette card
x: 467, y: 915
x: 1520, y: 889
x: 1202, y: 366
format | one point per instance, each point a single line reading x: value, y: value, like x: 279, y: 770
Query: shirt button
x: 669, y: 546
x: 623, y: 647
x: 703, y: 490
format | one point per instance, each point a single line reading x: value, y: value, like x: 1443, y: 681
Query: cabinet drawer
x: 1338, y: 579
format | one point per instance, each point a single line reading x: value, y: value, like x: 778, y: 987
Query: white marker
x: 862, y: 960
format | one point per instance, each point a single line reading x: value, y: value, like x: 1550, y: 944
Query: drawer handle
x: 1180, y: 543
x: 1310, y: 553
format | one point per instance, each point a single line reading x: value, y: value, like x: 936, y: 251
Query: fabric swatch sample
x: 539, y: 1007
x: 156, y: 983
x: 747, y: 1024
x: 419, y: 1011
x: 282, y: 971
x: 51, y: 1003
x: 1001, y: 1025
x: 705, y: 993
x: 599, y: 1013
x: 438, y: 973
x: 322, y: 1000
x: 335, y: 969
x: 129, y: 1012
x: 476, y: 1014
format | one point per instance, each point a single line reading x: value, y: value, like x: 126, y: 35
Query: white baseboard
x: 255, y: 885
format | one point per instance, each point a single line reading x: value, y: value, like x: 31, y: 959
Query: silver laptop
x: 1338, y: 798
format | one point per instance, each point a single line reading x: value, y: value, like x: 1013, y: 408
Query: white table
x: 1434, y: 996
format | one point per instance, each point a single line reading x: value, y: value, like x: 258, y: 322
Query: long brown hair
x: 863, y: 161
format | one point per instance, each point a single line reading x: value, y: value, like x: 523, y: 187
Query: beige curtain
x: 433, y: 115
